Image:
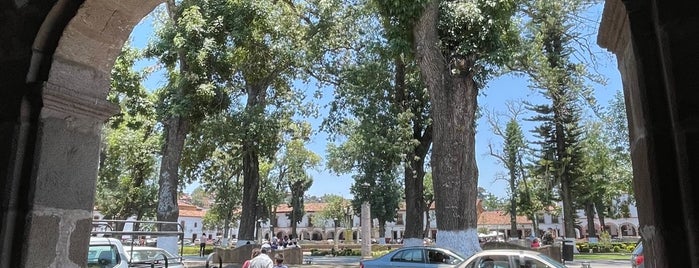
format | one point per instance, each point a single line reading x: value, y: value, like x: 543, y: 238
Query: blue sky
x: 493, y: 98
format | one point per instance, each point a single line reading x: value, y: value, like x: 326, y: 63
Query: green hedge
x: 613, y: 247
x: 194, y: 250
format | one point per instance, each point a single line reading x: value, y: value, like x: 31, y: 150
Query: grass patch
x: 603, y: 256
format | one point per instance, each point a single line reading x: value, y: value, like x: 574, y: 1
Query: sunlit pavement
x: 342, y: 262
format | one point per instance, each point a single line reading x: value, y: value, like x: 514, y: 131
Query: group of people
x: 284, y: 243
x: 260, y: 259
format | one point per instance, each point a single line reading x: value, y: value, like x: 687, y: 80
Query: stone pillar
x: 366, y: 230
x: 66, y: 160
x: 656, y: 49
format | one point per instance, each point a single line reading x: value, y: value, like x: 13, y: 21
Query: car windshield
x: 102, y: 256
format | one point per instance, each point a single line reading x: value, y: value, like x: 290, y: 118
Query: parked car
x: 510, y: 258
x: 106, y: 252
x: 152, y: 255
x: 637, y: 258
x: 416, y: 256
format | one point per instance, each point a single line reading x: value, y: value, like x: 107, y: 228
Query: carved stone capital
x: 614, y: 32
x: 62, y: 102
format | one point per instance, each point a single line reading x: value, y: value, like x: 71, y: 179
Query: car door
x: 409, y: 258
x: 437, y: 258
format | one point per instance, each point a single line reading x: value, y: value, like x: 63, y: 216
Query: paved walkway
x: 344, y: 262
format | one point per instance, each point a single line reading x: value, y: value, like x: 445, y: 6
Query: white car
x: 510, y: 258
x: 158, y: 257
x: 106, y: 252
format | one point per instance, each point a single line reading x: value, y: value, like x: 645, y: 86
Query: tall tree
x: 383, y: 91
x: 126, y: 181
x: 213, y: 159
x: 187, y: 45
x: 551, y: 39
x: 456, y: 43
x: 273, y: 44
x: 511, y: 155
x: 294, y: 163
x: 374, y: 170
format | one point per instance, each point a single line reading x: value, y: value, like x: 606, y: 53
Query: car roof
x: 143, y: 248
x: 507, y: 251
x: 103, y: 240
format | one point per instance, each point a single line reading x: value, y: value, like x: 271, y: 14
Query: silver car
x: 146, y: 256
x: 510, y: 258
x: 417, y: 256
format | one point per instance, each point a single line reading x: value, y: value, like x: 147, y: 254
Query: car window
x: 409, y: 255
x: 437, y: 256
x: 494, y: 262
x: 528, y: 262
x: 102, y: 256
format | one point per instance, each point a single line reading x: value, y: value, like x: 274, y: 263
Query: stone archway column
x: 66, y: 160
x: 656, y: 47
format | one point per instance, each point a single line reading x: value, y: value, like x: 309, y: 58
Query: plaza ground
x: 353, y: 261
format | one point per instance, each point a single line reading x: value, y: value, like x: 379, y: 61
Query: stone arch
x: 628, y: 229
x: 330, y: 234
x: 73, y: 52
x: 305, y: 235
x: 612, y: 228
x: 317, y: 235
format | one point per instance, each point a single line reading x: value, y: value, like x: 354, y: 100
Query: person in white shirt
x: 263, y: 260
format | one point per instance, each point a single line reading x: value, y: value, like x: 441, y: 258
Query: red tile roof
x: 308, y: 207
x: 187, y: 210
x: 499, y: 218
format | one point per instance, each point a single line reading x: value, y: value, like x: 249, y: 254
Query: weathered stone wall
x: 656, y: 49
x: 292, y: 256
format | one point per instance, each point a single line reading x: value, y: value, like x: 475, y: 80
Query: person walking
x: 202, y: 245
x: 263, y: 260
x: 255, y: 252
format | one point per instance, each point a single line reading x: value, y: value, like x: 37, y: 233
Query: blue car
x: 417, y: 256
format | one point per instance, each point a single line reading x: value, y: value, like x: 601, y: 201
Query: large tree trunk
x: 414, y: 215
x: 176, y: 129
x: 428, y: 220
x: 415, y: 161
x: 590, y: 214
x: 251, y: 168
x: 601, y: 214
x: 251, y: 188
x: 453, y: 99
x: 513, y: 202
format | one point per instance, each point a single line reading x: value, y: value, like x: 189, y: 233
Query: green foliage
x: 336, y: 208
x: 125, y: 184
x: 199, y: 197
x: 481, y: 30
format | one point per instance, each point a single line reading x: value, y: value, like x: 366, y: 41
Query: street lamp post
x: 335, y: 236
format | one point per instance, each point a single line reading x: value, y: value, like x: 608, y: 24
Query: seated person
x: 438, y: 257
x: 487, y: 263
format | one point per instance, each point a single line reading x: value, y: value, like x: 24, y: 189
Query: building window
x: 182, y: 223
x: 195, y: 224
x: 554, y: 219
x: 399, y: 219
x: 540, y: 218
